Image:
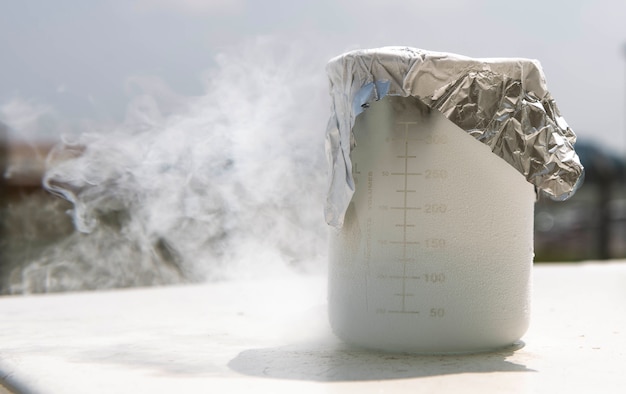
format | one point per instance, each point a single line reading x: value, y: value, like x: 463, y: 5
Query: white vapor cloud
x: 230, y: 185
x: 25, y: 119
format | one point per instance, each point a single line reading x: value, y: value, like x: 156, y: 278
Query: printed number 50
x: 437, y: 312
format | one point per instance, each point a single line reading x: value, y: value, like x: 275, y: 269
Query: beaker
x: 436, y: 249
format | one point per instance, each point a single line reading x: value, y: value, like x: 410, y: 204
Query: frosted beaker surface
x: 435, y: 253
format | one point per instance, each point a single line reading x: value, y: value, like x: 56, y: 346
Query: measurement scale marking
x: 405, y: 312
x: 404, y: 242
x: 408, y: 173
x: 406, y: 178
x: 403, y: 277
x: 405, y: 208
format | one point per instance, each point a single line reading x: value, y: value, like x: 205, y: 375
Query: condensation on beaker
x: 423, y: 261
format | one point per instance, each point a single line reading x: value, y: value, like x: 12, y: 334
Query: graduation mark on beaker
x: 405, y: 259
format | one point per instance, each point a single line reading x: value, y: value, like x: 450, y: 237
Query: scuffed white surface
x: 272, y: 336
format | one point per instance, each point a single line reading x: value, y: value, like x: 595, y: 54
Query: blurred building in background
x: 31, y: 219
x: 589, y: 226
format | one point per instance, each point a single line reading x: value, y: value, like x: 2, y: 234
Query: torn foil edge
x: 503, y: 103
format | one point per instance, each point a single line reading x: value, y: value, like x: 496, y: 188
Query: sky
x: 69, y: 66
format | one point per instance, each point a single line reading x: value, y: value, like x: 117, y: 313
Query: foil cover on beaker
x: 503, y: 103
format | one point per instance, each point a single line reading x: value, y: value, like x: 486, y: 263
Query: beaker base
x: 421, y: 351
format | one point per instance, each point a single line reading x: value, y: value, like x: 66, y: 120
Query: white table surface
x: 272, y: 336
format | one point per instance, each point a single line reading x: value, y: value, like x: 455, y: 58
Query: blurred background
x: 183, y: 140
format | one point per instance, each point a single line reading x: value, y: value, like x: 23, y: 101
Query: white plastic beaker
x: 436, y: 250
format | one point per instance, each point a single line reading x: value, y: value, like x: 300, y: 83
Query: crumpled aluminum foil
x: 503, y: 103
